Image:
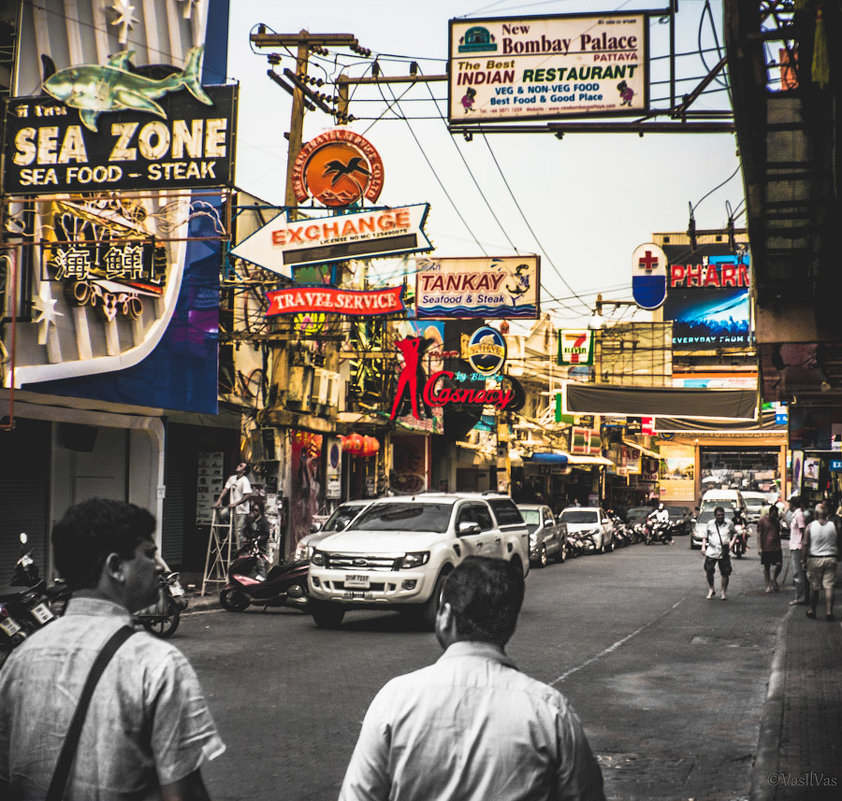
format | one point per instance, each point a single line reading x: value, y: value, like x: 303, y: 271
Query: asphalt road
x: 670, y: 686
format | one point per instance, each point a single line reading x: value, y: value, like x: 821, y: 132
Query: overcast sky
x: 589, y: 199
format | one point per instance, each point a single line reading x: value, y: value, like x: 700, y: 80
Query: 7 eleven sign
x: 575, y: 346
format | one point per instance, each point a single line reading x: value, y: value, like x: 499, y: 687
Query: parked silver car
x: 547, y: 537
x: 338, y: 520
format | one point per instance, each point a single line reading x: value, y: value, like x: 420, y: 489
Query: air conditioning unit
x: 326, y: 387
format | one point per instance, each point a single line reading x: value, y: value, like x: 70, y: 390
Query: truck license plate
x: 42, y: 614
x: 357, y: 581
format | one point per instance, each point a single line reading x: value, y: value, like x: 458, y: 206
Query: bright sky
x: 589, y: 200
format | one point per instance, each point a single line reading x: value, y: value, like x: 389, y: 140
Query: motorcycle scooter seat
x: 9, y: 592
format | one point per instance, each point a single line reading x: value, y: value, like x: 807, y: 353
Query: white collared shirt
x: 471, y: 727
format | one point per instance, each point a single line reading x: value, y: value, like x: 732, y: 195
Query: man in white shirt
x: 471, y: 726
x: 239, y: 491
x: 716, y: 546
x: 796, y: 534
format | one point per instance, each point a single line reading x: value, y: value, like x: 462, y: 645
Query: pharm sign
x: 282, y: 244
x: 575, y: 347
x: 296, y: 300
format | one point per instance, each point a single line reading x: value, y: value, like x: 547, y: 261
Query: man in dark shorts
x: 716, y: 546
x: 769, y: 537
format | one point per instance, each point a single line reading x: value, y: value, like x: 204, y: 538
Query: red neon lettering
x: 676, y: 274
x: 711, y: 276
x: 742, y: 275
x: 729, y: 275
x: 431, y: 397
x: 694, y: 274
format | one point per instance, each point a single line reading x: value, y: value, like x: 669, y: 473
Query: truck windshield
x: 395, y: 517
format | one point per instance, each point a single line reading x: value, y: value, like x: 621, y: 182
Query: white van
x: 730, y: 500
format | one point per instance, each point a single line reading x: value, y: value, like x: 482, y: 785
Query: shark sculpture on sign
x: 93, y: 89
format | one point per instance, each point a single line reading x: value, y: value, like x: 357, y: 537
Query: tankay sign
x: 478, y: 287
x: 539, y: 67
x: 296, y: 300
x: 282, y: 244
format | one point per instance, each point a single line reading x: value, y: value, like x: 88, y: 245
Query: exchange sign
x: 539, y: 67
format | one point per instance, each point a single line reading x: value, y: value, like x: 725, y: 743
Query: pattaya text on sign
x: 296, y: 300
x: 538, y: 67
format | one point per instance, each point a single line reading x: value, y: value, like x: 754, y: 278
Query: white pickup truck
x: 397, y: 553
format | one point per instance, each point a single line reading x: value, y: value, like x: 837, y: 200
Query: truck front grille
x: 343, y: 561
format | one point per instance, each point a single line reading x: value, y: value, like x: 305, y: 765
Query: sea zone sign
x: 538, y: 67
x: 49, y: 149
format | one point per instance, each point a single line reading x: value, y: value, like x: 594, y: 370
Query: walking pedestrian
x: 472, y: 726
x: 238, y: 490
x: 821, y: 552
x: 716, y: 546
x: 796, y: 533
x: 147, y: 730
x: 771, y: 553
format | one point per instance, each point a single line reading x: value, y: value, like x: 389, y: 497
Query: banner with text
x: 550, y: 66
x: 478, y: 287
x: 296, y: 300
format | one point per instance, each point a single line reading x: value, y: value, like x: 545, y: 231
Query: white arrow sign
x: 282, y: 244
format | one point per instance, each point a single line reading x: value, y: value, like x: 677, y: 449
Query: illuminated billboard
x: 708, y: 298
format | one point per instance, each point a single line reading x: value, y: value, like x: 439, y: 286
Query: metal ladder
x: 220, y: 546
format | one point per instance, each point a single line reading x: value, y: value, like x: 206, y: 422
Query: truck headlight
x: 415, y: 559
x: 318, y: 558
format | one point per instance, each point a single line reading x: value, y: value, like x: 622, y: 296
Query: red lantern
x: 370, y: 446
x: 353, y: 444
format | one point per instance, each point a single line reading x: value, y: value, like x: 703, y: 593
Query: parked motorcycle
x: 284, y: 585
x: 11, y: 633
x: 27, y: 574
x: 163, y: 617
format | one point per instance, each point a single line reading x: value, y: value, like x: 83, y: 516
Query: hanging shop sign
x: 283, y: 244
x: 485, y: 350
x: 297, y: 300
x: 708, y: 298
x: 509, y: 68
x: 575, y: 347
x: 649, y: 276
x: 478, y: 287
x: 448, y: 387
x: 106, y: 128
x: 337, y: 168
x: 585, y: 441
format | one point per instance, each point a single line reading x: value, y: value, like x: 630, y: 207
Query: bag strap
x: 71, y: 739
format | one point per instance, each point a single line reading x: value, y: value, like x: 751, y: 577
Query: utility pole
x: 304, y: 42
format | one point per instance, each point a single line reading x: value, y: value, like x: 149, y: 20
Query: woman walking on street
x: 821, y: 554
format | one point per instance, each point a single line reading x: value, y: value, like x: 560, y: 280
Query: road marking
x: 202, y: 611
x: 614, y: 646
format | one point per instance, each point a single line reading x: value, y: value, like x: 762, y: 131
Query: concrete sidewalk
x: 799, y: 755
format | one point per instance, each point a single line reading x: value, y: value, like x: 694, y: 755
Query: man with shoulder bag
x: 716, y: 547
x: 90, y: 709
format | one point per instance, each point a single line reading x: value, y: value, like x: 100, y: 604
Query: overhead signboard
x: 478, y: 287
x: 575, y: 346
x: 297, y: 300
x: 509, y: 68
x: 122, y: 131
x: 337, y: 168
x: 708, y: 297
x: 649, y: 276
x: 283, y: 244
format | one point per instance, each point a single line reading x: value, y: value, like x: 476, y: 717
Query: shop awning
x: 548, y: 458
x: 576, y: 459
x: 644, y: 451
x: 733, y: 404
